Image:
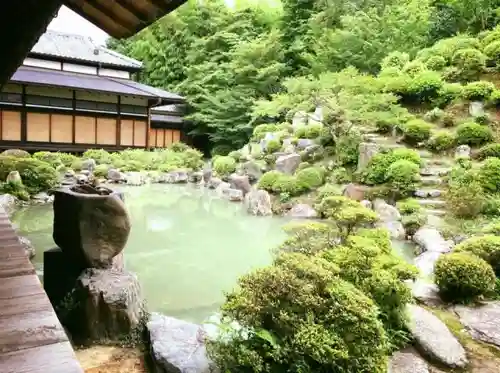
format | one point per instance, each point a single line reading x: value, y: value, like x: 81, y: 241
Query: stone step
x: 435, y: 212
x: 425, y: 154
x: 443, y: 162
x: 434, y: 171
x: 431, y: 203
x: 428, y: 193
x: 431, y: 180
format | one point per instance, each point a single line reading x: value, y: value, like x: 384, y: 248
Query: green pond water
x: 187, y: 246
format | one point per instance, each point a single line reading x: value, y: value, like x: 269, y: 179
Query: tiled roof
x: 77, y: 47
x: 106, y: 84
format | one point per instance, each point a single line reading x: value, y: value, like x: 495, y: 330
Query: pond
x: 187, y: 246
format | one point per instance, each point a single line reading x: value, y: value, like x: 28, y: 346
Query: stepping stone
x: 435, y: 171
x: 425, y: 153
x: 435, y: 212
x: 435, y: 339
x: 431, y: 202
x: 426, y: 292
x: 427, y: 193
x: 483, y: 322
x: 407, y: 361
x: 431, y: 180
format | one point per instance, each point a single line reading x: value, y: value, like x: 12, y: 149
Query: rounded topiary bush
x: 395, y: 60
x: 133, y: 166
x: 51, y: 158
x: 287, y: 184
x: 441, y: 141
x: 260, y: 131
x: 490, y: 150
x: 492, y: 51
x: 314, y: 131
x: 489, y: 175
x: 486, y: 247
x: 478, y: 91
x: 311, y: 177
x: 224, y: 165
x: 436, y: 63
x: 414, y: 68
x: 235, y: 154
x: 463, y: 277
x: 416, y: 131
x: 448, y: 93
x: 17, y: 153
x: 434, y: 115
x: 474, y: 134
x: 100, y: 156
x: 408, y: 206
x: 101, y: 170
x: 299, y: 317
x: 268, y: 180
x: 375, y: 173
x: 470, y: 61
x: 402, y: 176
x: 272, y: 146
x: 425, y: 86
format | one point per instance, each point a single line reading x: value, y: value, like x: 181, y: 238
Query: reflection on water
x: 186, y: 245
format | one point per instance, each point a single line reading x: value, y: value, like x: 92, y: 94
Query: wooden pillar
x: 24, y: 116
x: 119, y: 122
x: 148, y: 128
x: 73, y: 119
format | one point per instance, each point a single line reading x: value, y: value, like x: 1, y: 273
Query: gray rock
x: 240, y: 182
x: 367, y: 204
x: 302, y: 211
x: 234, y: 195
x: 28, y: 247
x: 115, y: 175
x: 135, y: 178
x: 85, y: 172
x: 426, y: 293
x: 81, y: 178
x: 389, y: 218
x: 482, y: 322
x: 434, y: 338
x: 299, y: 119
x: 356, y: 191
x: 196, y: 177
x: 430, y: 239
x: 89, y: 165
x: 258, y: 202
x: 252, y: 170
x: 213, y: 183
x: 109, y: 304
x: 476, y: 108
x: 288, y: 163
x: 222, y: 189
x: 304, y: 143
x: 207, y: 175
x: 178, y: 346
x: 407, y: 361
x: 462, y: 151
x: 426, y: 261
x: 367, y: 151
x: 14, y: 177
x: 69, y: 173
x: 42, y: 197
x: 175, y: 177
x: 8, y: 203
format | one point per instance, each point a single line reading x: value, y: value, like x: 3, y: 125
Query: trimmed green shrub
x: 413, y: 222
x: 492, y: 51
x: 287, y: 184
x: 414, y: 68
x: 486, y: 247
x: 375, y: 172
x: 268, y: 180
x: 471, y: 62
x: 483, y: 119
x: 474, y: 134
x: 448, y: 93
x: 441, y: 141
x: 36, y: 175
x: 425, y: 86
x: 224, y: 165
x: 478, y: 91
x: 462, y: 277
x: 492, y: 228
x: 402, y: 176
x: 395, y: 60
x: 416, y: 131
x: 101, y: 170
x: 236, y: 155
x: 310, y: 178
x: 51, y: 158
x: 465, y: 196
x: 179, y: 147
x: 408, y: 206
x: 434, y: 115
x: 133, y: 166
x: 490, y: 150
x: 100, y: 156
x: 340, y: 175
x: 76, y: 165
x: 347, y: 148
x: 436, y: 63
x: 259, y: 132
x: 495, y: 97
x: 489, y: 175
x: 298, y: 316
x: 273, y: 146
x: 15, y: 189
x: 491, y: 206
x: 328, y: 190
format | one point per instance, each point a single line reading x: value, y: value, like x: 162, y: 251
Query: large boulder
x: 304, y: 143
x: 240, y: 182
x: 435, y: 339
x: 483, y: 322
x: 367, y: 150
x: 8, y: 203
x: 426, y: 293
x: 462, y: 151
x: 258, y: 202
x: 115, y: 175
x: 177, y: 346
x: 302, y: 211
x: 135, y: 178
x: 207, y: 175
x: 407, y: 361
x: 234, y: 195
x: 433, y: 245
x: 389, y: 218
x: 356, y: 192
x: 222, y: 189
x: 28, y: 247
x: 213, y: 183
x: 89, y: 165
x: 90, y: 228
x: 288, y: 163
x: 107, y: 305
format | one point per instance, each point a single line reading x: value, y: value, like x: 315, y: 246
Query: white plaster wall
x: 35, y: 62
x: 79, y: 68
x: 114, y: 73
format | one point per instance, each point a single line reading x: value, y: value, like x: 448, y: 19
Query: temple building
x: 71, y: 95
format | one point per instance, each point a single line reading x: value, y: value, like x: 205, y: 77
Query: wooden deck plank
x: 32, y: 340
x: 53, y: 358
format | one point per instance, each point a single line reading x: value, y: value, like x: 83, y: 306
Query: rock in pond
x: 213, y: 183
x: 433, y: 246
x: 288, y: 163
x: 434, y: 338
x: 135, y: 178
x: 28, y: 247
x: 389, y: 218
x: 222, y: 189
x: 89, y: 165
x: 177, y: 346
x: 302, y: 211
x: 240, y: 182
x: 483, y: 322
x: 42, y: 197
x: 8, y: 203
x: 207, y: 175
x: 407, y: 361
x: 115, y: 175
x: 196, y: 177
x: 109, y: 305
x: 258, y: 202
x: 234, y: 195
x: 252, y: 170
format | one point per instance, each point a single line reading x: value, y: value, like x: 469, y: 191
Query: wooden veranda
x: 32, y: 340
